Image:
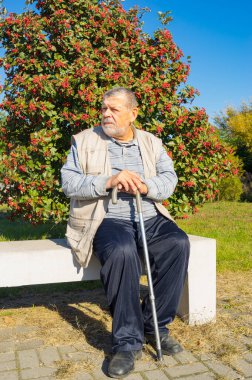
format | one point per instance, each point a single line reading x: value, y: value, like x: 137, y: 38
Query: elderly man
x: 118, y: 154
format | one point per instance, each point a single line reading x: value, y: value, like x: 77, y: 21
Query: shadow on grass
x: 83, y: 305
x: 82, y: 319
x: 71, y: 301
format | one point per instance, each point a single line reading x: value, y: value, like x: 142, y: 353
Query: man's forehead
x: 118, y: 100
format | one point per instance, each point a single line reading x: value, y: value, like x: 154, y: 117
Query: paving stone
x: 65, y: 350
x: 49, y: 355
x: 201, y: 376
x: 204, y: 357
x: 244, y: 367
x: 6, y: 333
x: 24, y: 329
x: 10, y: 375
x: 36, y: 373
x: 155, y: 375
x: 28, y: 359
x: 186, y: 369
x: 144, y: 365
x: 7, y: 366
x: 83, y: 376
x: 168, y: 361
x: 248, y: 357
x: 100, y: 375
x: 29, y: 344
x: 7, y: 357
x: 77, y: 356
x: 7, y: 346
x: 134, y: 376
x: 185, y: 357
x: 222, y: 370
x: 246, y: 340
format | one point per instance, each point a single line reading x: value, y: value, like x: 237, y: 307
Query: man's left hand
x: 142, y: 188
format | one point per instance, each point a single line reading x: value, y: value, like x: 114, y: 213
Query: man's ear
x: 134, y: 112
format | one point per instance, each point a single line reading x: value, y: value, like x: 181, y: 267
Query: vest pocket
x: 73, y: 237
x: 77, y: 231
x: 77, y: 224
x: 80, y: 242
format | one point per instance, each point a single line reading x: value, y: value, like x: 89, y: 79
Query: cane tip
x: 160, y: 356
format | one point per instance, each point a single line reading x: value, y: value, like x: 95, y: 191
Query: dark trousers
x: 118, y: 246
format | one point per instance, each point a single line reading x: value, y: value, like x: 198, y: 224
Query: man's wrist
x: 109, y: 183
x: 99, y: 184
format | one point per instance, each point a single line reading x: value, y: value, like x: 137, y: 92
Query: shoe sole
x: 122, y: 376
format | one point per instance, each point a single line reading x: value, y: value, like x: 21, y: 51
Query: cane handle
x: 138, y: 199
x: 114, y: 195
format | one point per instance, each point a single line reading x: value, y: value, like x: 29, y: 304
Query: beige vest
x: 86, y: 215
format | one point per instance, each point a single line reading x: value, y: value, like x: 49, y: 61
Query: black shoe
x: 169, y: 346
x: 122, y: 363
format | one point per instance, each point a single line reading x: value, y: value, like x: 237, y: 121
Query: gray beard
x: 113, y: 131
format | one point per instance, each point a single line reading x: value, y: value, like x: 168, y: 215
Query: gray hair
x: 130, y: 96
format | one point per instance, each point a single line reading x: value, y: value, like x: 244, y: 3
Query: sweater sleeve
x: 78, y: 185
x: 162, y: 185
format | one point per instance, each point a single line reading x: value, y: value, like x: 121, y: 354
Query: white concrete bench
x: 33, y: 262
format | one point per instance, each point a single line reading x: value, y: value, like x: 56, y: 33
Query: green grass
x: 23, y: 230
x: 230, y: 223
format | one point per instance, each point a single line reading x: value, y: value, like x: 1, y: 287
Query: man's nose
x: 106, y: 113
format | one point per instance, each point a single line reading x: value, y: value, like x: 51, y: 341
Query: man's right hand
x: 127, y: 181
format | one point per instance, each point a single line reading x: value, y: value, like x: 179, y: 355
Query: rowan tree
x: 59, y: 61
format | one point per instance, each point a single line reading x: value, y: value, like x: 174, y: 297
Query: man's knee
x: 125, y: 250
x: 182, y: 239
x: 182, y: 244
x: 121, y: 250
x: 177, y: 244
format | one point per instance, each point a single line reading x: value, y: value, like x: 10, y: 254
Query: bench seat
x: 33, y: 262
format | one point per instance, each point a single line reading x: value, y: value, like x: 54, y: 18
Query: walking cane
x: 147, y: 263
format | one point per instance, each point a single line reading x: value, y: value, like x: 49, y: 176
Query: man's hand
x: 143, y: 189
x: 128, y: 182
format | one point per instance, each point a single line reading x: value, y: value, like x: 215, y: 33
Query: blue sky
x: 217, y: 34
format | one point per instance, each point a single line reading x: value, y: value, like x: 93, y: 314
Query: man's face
x: 117, y: 117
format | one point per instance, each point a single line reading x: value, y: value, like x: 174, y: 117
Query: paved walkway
x: 32, y: 359
x: 48, y: 335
